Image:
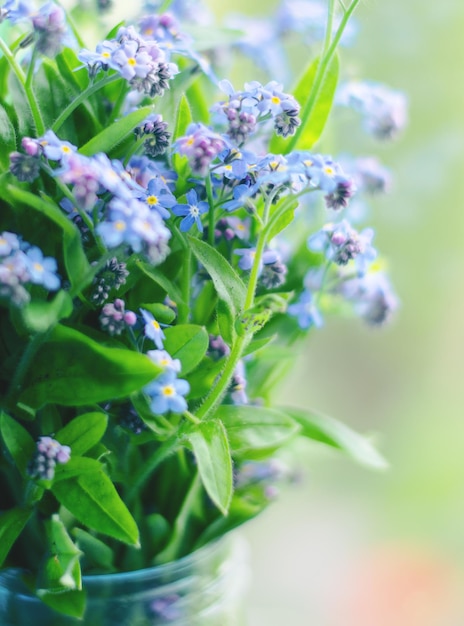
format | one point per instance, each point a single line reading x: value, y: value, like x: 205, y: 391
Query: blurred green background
x: 346, y: 546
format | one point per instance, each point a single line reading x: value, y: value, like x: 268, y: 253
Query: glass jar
x: 205, y: 588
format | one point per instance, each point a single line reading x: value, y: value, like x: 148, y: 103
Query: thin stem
x: 72, y: 25
x: 30, y: 71
x: 31, y: 99
x: 174, y: 547
x: 150, y: 466
x: 186, y: 283
x: 118, y: 104
x: 220, y: 389
x: 211, y: 213
x: 82, y: 98
x: 191, y: 418
x: 322, y: 68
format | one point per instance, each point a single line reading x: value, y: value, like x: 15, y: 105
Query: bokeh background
x: 347, y: 547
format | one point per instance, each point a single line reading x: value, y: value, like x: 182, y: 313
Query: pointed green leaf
x: 114, y: 134
x: 254, y: 431
x: 212, y: 453
x: 188, y: 343
x: 315, y: 108
x: 18, y: 441
x: 7, y: 138
x: 180, y: 163
x: 333, y: 433
x: 83, y: 432
x: 97, y: 553
x: 74, y: 370
x: 12, y: 523
x: 60, y: 580
x: 38, y: 316
x: 227, y: 282
x: 93, y: 500
x: 159, y: 278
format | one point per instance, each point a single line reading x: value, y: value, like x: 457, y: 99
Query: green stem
x: 186, y: 285
x: 219, y: 390
x: 82, y: 98
x: 174, y: 548
x: 211, y: 213
x: 72, y: 25
x: 150, y: 466
x: 118, y: 104
x: 322, y: 68
x: 32, y: 101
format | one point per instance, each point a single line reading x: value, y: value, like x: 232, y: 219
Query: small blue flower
x: 42, y: 270
x: 167, y: 393
x: 159, y: 197
x: 164, y: 360
x: 192, y: 211
x: 152, y: 329
x: 241, y: 194
x: 8, y: 243
x: 305, y: 311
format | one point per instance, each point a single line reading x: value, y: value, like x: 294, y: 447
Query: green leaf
x: 75, y: 467
x: 74, y: 370
x: 244, y: 506
x: 60, y: 580
x: 12, y: 523
x: 7, y: 138
x: 258, y: 344
x: 78, y: 269
x: 255, y: 431
x: 160, y: 312
x: 212, y: 453
x: 202, y: 379
x: 83, y: 432
x: 97, y: 553
x: 114, y: 134
x: 188, y: 343
x: 160, y: 279
x: 93, y: 500
x: 227, y: 282
x: 18, y: 441
x: 333, y: 433
x: 281, y: 220
x: 38, y: 316
x: 315, y: 108
x: 180, y: 163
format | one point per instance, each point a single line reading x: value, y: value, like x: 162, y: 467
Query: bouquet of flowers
x: 167, y: 239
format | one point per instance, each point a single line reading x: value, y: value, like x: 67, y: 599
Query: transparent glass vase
x: 205, y: 588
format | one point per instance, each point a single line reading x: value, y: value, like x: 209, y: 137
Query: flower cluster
x: 22, y: 264
x: 48, y: 453
x: 139, y: 60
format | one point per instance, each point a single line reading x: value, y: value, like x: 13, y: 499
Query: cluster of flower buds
x: 114, y: 318
x: 48, y: 453
x: 140, y: 61
x: 256, y: 103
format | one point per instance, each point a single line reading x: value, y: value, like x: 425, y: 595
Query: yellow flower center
x: 38, y: 267
x: 155, y: 325
x: 329, y: 170
x: 168, y: 390
x: 120, y: 225
x: 151, y: 200
x: 132, y: 61
x: 275, y: 100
